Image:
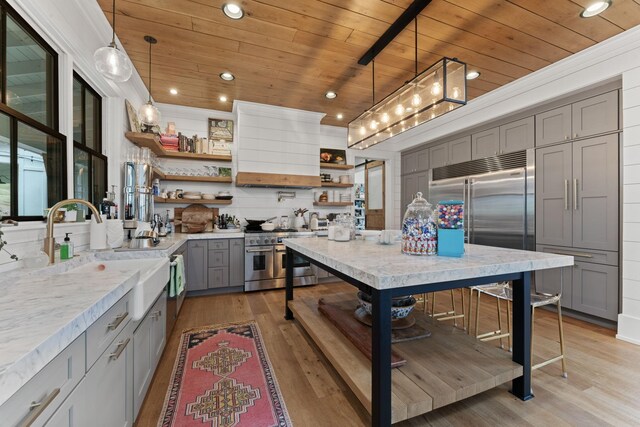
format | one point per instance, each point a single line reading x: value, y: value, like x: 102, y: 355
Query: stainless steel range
x: 265, y: 260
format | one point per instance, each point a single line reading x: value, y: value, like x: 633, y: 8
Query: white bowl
x: 268, y: 226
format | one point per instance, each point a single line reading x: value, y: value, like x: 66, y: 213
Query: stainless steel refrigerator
x: 498, y: 194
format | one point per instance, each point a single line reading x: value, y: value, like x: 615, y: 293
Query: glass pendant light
x: 148, y: 113
x: 110, y: 61
x: 436, y: 88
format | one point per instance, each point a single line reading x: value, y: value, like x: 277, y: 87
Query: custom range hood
x: 276, y: 180
x: 278, y: 147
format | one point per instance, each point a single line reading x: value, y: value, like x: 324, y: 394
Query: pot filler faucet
x: 50, y: 241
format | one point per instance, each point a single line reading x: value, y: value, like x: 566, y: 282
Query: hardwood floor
x: 602, y: 388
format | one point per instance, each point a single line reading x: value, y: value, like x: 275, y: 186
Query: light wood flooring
x: 603, y: 387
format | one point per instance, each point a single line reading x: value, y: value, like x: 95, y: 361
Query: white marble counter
x: 42, y: 311
x: 385, y: 267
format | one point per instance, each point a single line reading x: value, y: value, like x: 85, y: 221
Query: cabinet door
x: 158, y: 329
x: 553, y: 195
x: 236, y: 263
x: 409, y: 190
x: 438, y: 156
x: 485, y: 144
x: 422, y: 157
x: 197, y: 253
x: 409, y: 163
x: 553, y: 126
x: 517, y: 136
x: 595, y: 290
x: 70, y: 413
x: 142, y: 363
x: 556, y: 280
x: 109, y: 384
x: 595, y: 115
x: 218, y: 277
x: 460, y: 150
x: 595, y: 197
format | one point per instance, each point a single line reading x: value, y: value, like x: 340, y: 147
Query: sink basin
x: 153, y: 277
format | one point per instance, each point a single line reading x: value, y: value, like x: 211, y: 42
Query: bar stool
x: 446, y: 315
x: 503, y: 291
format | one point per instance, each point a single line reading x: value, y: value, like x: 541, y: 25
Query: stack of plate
x: 192, y: 195
x: 208, y: 196
x: 345, y: 197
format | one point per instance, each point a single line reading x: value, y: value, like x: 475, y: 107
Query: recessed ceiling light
x: 232, y: 10
x: 227, y: 76
x: 339, y: 116
x: 330, y: 94
x: 223, y: 98
x: 595, y: 8
x: 471, y: 75
x: 173, y: 91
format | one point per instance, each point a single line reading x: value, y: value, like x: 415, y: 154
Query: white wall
x: 615, y: 58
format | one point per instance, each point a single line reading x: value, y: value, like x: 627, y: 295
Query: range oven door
x: 258, y: 263
x: 301, y: 267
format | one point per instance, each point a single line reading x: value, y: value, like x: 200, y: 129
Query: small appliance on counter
x: 316, y: 223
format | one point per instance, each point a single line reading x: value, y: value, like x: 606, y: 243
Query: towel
x: 177, y: 281
x: 115, y: 233
x: 98, y: 234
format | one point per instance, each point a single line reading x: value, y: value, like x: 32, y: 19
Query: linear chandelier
x: 440, y: 88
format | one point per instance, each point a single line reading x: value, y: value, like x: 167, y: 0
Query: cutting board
x: 195, y: 218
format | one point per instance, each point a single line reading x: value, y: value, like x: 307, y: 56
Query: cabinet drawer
x: 106, y: 328
x: 583, y: 255
x: 218, y: 244
x: 50, y: 386
x: 218, y: 277
x: 219, y: 258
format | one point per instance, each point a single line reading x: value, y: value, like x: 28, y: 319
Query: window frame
x: 17, y: 116
x: 82, y: 145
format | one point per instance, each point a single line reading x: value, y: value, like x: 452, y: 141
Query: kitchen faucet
x: 49, y: 240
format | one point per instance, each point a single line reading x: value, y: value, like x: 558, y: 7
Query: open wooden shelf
x: 219, y: 179
x: 442, y: 369
x: 152, y: 142
x: 339, y: 185
x: 332, y: 203
x: 191, y: 202
x: 335, y: 166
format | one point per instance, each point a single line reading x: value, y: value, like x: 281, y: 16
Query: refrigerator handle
x: 566, y: 194
x: 575, y: 194
x: 466, y: 194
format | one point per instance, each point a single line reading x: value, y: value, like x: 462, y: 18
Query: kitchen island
x: 384, y: 272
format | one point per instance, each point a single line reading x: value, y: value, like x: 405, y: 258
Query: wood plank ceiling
x: 289, y: 53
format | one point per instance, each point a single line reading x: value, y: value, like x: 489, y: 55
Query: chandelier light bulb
x: 416, y: 100
x: 384, y: 118
x: 399, y: 110
x: 455, y: 92
x: 436, y: 88
x: 362, y: 130
x: 112, y: 63
x: 373, y: 125
x: 149, y: 114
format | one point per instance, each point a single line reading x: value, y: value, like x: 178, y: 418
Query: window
x: 89, y: 164
x: 32, y: 152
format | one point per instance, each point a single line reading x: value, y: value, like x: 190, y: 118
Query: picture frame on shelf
x: 333, y: 156
x: 221, y: 130
x: 134, y: 122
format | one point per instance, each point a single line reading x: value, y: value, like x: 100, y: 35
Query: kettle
x: 313, y: 221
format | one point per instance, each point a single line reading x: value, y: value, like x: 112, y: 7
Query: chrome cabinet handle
x: 566, y: 194
x: 116, y: 322
x: 121, y: 346
x: 156, y: 314
x: 37, y: 408
x: 251, y: 251
x: 281, y: 250
x: 575, y: 194
x: 578, y: 254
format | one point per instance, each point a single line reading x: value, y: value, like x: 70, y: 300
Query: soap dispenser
x: 66, y: 248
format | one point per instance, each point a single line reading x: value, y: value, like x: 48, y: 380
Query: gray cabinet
x: 110, y: 383
x: 71, y: 413
x: 459, y: 150
x: 554, y: 217
x: 595, y: 193
x: 595, y: 115
x: 411, y: 185
x: 553, y: 126
x: 589, y: 117
x: 149, y: 339
x: 197, y: 253
x: 438, y: 156
x: 415, y: 161
x: 485, y: 144
x: 236, y: 263
x: 595, y: 289
x: 517, y: 136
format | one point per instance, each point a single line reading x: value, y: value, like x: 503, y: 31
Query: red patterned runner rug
x: 223, y: 378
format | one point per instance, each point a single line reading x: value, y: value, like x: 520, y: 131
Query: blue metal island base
x: 384, y: 272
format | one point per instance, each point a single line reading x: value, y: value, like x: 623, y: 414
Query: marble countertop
x: 386, y: 267
x: 40, y: 314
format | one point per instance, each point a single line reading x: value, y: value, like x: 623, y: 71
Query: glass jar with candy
x: 419, y: 230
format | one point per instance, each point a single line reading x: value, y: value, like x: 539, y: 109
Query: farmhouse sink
x: 153, y: 277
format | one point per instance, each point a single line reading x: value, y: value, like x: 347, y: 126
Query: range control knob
x: 273, y: 240
x: 252, y: 241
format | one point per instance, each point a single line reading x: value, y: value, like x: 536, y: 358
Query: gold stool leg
x: 564, y: 364
x: 433, y: 303
x: 453, y: 308
x: 464, y: 326
x: 424, y: 303
x: 499, y: 321
x: 469, y: 310
x: 477, y: 313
